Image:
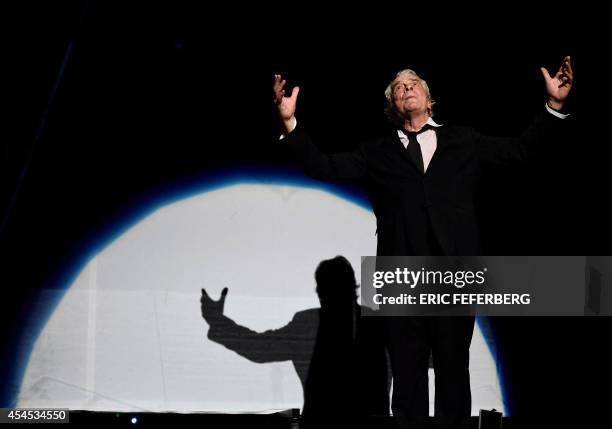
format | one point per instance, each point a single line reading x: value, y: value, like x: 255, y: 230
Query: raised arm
x: 269, y: 346
x: 547, y: 127
x: 328, y: 167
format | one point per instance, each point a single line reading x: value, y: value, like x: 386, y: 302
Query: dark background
x: 149, y: 99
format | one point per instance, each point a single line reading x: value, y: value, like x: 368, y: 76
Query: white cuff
x: 555, y: 113
x: 292, y: 128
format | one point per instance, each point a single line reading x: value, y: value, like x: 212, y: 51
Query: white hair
x: 390, y: 109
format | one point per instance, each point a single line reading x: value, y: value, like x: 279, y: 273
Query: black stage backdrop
x: 148, y: 99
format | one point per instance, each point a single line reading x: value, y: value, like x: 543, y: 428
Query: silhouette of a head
x: 336, y: 283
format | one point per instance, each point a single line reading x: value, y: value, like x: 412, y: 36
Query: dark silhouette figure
x: 337, y: 352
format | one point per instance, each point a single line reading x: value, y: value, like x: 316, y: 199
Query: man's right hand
x: 212, y: 309
x: 285, y: 105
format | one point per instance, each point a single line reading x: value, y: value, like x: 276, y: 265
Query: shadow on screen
x: 337, y: 352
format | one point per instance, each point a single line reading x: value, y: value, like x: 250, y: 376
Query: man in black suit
x: 420, y: 179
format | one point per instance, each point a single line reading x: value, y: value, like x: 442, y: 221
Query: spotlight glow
x: 128, y: 334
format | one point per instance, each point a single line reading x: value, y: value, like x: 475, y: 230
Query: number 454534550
x: 31, y: 415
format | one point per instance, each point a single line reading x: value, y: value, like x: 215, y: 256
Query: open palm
x: 559, y: 85
x: 286, y: 104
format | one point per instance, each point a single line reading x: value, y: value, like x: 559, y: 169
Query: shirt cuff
x: 556, y: 112
x: 292, y: 128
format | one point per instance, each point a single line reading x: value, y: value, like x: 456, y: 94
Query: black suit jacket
x: 407, y: 202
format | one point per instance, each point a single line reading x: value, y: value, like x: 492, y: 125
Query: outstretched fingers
x: 566, y: 74
x: 207, y: 299
x: 545, y: 73
x: 278, y: 87
x: 294, y: 93
x: 223, y: 295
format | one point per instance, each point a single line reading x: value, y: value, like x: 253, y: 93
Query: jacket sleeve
x: 544, y: 132
x: 327, y: 167
x: 270, y: 346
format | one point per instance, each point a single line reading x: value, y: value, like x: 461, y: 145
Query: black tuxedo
x: 407, y: 202
x: 429, y: 213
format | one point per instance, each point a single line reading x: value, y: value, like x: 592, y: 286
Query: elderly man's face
x: 409, y: 96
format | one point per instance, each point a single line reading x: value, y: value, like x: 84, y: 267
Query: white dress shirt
x: 427, y: 140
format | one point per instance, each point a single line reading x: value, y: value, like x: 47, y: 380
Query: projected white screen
x: 128, y: 334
